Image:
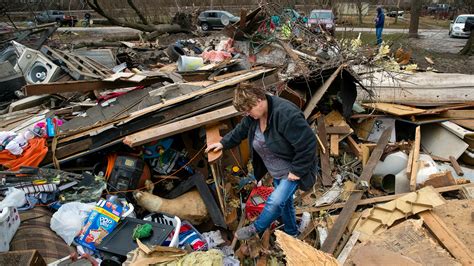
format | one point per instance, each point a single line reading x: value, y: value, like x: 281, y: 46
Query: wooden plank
x: 86, y: 85
x: 334, y: 145
x: 394, y: 109
x: 464, y: 114
x: 365, y: 154
x: 456, y: 166
x: 236, y: 73
x: 320, y: 92
x: 160, y: 132
x: 213, y: 87
x: 374, y: 200
x: 448, y: 107
x: 213, y: 136
x: 447, y: 238
x: 355, y: 147
x: 410, y: 163
x: 341, y: 258
x: 339, y: 130
x: 440, y: 180
x: 416, y: 157
x: 342, y: 221
x: 467, y: 123
x: 325, y: 165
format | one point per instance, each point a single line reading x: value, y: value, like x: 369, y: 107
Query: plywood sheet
x: 299, y: 253
x: 394, y: 109
x: 412, y: 240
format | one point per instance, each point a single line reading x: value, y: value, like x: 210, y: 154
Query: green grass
x: 369, y: 37
x: 426, y: 22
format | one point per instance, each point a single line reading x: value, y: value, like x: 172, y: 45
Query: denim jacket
x: 288, y: 135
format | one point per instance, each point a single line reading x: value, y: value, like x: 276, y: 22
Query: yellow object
x: 235, y: 169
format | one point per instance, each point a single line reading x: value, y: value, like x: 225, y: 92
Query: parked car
x: 438, y: 8
x: 57, y: 16
x: 394, y: 13
x: 322, y: 19
x: 456, y: 26
x: 211, y: 19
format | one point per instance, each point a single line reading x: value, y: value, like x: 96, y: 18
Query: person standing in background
x: 379, y: 22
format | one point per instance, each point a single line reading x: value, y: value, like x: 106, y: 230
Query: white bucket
x: 189, y: 63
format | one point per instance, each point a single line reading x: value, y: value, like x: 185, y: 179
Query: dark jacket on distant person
x: 380, y: 19
x: 288, y: 135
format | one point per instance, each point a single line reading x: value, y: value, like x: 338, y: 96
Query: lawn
x: 369, y: 37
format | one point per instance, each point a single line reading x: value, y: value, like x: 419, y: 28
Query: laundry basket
x: 183, y: 234
x: 163, y: 219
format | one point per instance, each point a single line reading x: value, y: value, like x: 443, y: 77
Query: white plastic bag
x: 68, y: 220
x: 15, y: 198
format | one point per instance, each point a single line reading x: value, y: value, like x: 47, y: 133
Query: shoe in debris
x: 246, y: 232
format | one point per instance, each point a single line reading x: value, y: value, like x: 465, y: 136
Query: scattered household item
x: 256, y: 201
x: 188, y: 206
x: 9, y: 223
x: 36, y: 67
x: 35, y: 233
x: 126, y: 172
x: 386, y: 182
x: 451, y: 145
x: 392, y: 164
x: 164, y: 219
x: 102, y: 221
x: 120, y: 241
x: 189, y: 63
x: 67, y: 221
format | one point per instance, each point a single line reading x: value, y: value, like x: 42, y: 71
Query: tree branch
x: 139, y: 14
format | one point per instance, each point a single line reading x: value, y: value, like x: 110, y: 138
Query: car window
x: 55, y: 13
x: 227, y: 14
x: 461, y: 19
x: 321, y: 15
x: 212, y: 15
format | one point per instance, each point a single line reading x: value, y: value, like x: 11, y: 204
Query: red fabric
x: 32, y: 155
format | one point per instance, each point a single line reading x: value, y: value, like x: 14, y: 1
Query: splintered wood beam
x: 344, y: 217
x: 456, y: 166
x: 355, y: 147
x: 213, y: 136
x: 447, y: 238
x: 334, y: 145
x: 415, y: 159
x: 325, y: 165
x: 171, y: 129
x: 320, y: 92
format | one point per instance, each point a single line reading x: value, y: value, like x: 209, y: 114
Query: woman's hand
x: 293, y: 177
x: 215, y: 147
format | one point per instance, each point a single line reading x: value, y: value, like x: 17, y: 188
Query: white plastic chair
x: 163, y: 219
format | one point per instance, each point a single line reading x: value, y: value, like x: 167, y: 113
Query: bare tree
x: 469, y: 47
x: 359, y: 10
x: 414, y: 18
x: 396, y: 10
x: 180, y: 23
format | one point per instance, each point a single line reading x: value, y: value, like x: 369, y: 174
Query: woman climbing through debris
x: 283, y: 144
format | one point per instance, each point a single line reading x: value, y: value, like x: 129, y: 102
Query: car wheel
x: 58, y: 22
x: 205, y: 26
x: 450, y: 34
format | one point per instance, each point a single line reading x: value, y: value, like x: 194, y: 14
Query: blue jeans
x: 280, y: 203
x: 378, y: 33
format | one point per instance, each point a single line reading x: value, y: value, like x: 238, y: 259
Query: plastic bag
x: 15, y: 198
x: 68, y: 220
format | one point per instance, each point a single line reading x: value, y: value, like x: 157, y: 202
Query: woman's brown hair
x: 246, y: 96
